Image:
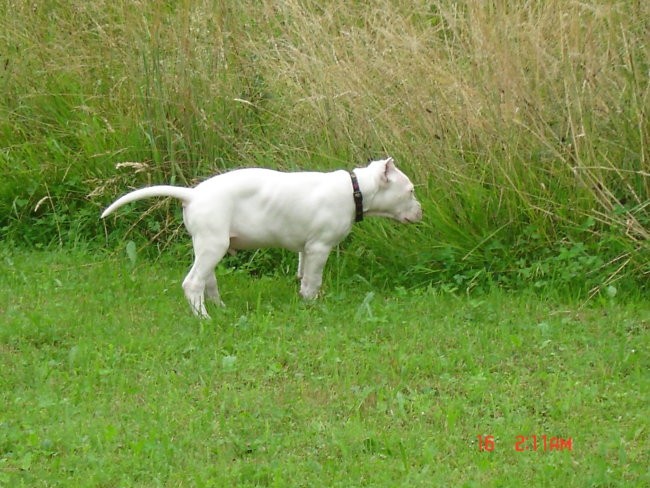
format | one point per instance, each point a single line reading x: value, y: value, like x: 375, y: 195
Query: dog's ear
x: 388, y: 166
x: 383, y: 168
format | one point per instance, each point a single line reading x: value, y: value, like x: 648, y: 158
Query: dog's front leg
x: 312, y: 263
x: 301, y: 263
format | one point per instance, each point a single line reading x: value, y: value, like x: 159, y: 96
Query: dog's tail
x: 183, y: 194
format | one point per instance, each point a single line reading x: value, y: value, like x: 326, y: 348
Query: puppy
x: 306, y: 212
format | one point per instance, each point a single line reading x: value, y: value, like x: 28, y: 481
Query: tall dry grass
x: 544, y: 102
x: 517, y: 118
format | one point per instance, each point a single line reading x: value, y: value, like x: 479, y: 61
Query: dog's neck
x: 369, y: 187
x: 358, y: 198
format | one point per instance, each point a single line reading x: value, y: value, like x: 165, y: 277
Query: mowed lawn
x: 107, y: 380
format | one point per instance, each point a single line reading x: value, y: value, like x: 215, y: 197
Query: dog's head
x: 395, y: 195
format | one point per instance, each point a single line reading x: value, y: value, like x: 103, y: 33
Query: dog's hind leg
x: 212, y: 290
x: 207, y: 253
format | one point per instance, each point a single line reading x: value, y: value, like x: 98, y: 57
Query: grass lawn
x: 107, y: 380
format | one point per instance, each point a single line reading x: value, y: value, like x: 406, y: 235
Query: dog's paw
x: 309, y: 295
x: 217, y: 301
x: 203, y: 315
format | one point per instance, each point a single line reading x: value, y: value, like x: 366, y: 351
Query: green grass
x: 517, y: 307
x: 107, y: 380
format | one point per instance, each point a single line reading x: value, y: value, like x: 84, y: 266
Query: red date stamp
x: 523, y: 443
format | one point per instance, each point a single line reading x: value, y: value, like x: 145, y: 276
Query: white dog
x: 307, y: 212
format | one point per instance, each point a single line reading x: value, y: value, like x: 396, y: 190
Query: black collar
x: 358, y: 198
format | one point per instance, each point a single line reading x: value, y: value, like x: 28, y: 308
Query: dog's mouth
x: 410, y: 217
x: 408, y: 220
